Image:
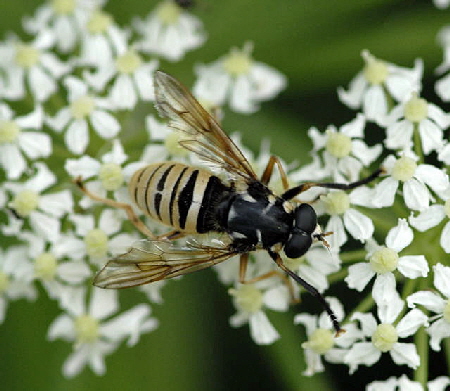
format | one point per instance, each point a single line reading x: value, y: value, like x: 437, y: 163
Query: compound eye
x: 297, y: 244
x: 305, y: 218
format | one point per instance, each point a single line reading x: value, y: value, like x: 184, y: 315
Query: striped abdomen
x: 178, y: 195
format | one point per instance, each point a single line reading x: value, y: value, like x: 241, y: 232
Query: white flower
x: 315, y: 266
x: 251, y: 299
x: 384, y: 260
x: 101, y: 40
x: 338, y: 206
x: 49, y: 267
x: 13, y: 262
x: 404, y: 384
x: 383, y: 337
x: 430, y: 218
x: 367, y: 89
x: 93, y: 331
x: 444, y: 153
x: 344, y: 151
x: 441, y: 3
x: 442, y: 85
x: 41, y: 208
x: 30, y: 66
x: 84, y: 110
x: 110, y: 173
x: 96, y: 241
x: 21, y: 136
x: 239, y: 79
x: 429, y: 119
x: 321, y: 339
x: 416, y: 178
x: 131, y: 78
x: 65, y: 19
x: 169, y: 31
x: 164, y: 143
x: 440, y: 327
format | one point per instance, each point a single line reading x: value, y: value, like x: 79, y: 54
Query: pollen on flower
x: 63, y: 7
x: 111, y: 176
x: 128, y: 62
x: 247, y: 297
x: 82, y: 107
x: 384, y: 337
x: 339, y: 145
x: 416, y: 109
x: 375, y: 71
x: 446, y: 312
x: 168, y: 12
x: 336, y: 202
x: 384, y: 260
x: 99, y: 22
x: 238, y: 62
x: 320, y: 341
x: 172, y: 144
x: 45, y: 266
x: 9, y: 131
x: 96, y: 242
x: 25, y: 202
x: 86, y: 328
x: 27, y: 56
x: 404, y: 169
x: 4, y: 282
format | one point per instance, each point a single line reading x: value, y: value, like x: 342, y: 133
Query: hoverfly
x: 195, y: 201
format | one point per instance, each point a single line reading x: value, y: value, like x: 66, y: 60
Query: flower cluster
x: 64, y: 96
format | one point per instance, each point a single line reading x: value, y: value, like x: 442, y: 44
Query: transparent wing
x: 206, y: 138
x: 153, y: 260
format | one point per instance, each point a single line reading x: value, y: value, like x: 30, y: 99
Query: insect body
x: 180, y: 196
x: 194, y: 200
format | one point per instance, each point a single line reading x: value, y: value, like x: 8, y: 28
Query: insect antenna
x: 311, y: 290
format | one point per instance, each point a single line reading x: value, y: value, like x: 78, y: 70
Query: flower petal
x: 428, y: 218
x: 359, y: 276
x: 104, y: 124
x: 405, y: 353
x: 261, y: 330
x: 411, y: 322
x: 400, y: 236
x: 359, y: 225
x: 413, y: 266
x: 442, y: 279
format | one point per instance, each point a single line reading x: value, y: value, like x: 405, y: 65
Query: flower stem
x: 351, y: 256
x: 446, y: 343
x: 421, y: 341
x: 418, y: 144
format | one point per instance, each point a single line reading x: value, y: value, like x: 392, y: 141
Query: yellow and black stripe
x: 178, y: 195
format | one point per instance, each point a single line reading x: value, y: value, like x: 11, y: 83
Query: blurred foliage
x: 317, y: 45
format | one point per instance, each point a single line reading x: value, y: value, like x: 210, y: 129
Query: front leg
x: 291, y: 193
x: 276, y: 257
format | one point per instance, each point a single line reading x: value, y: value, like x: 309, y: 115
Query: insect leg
x: 276, y: 257
x: 268, y: 171
x: 115, y: 204
x: 171, y: 235
x: 291, y: 193
x: 243, y: 262
x: 273, y: 273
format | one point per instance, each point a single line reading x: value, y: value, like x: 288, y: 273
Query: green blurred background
x: 317, y: 44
